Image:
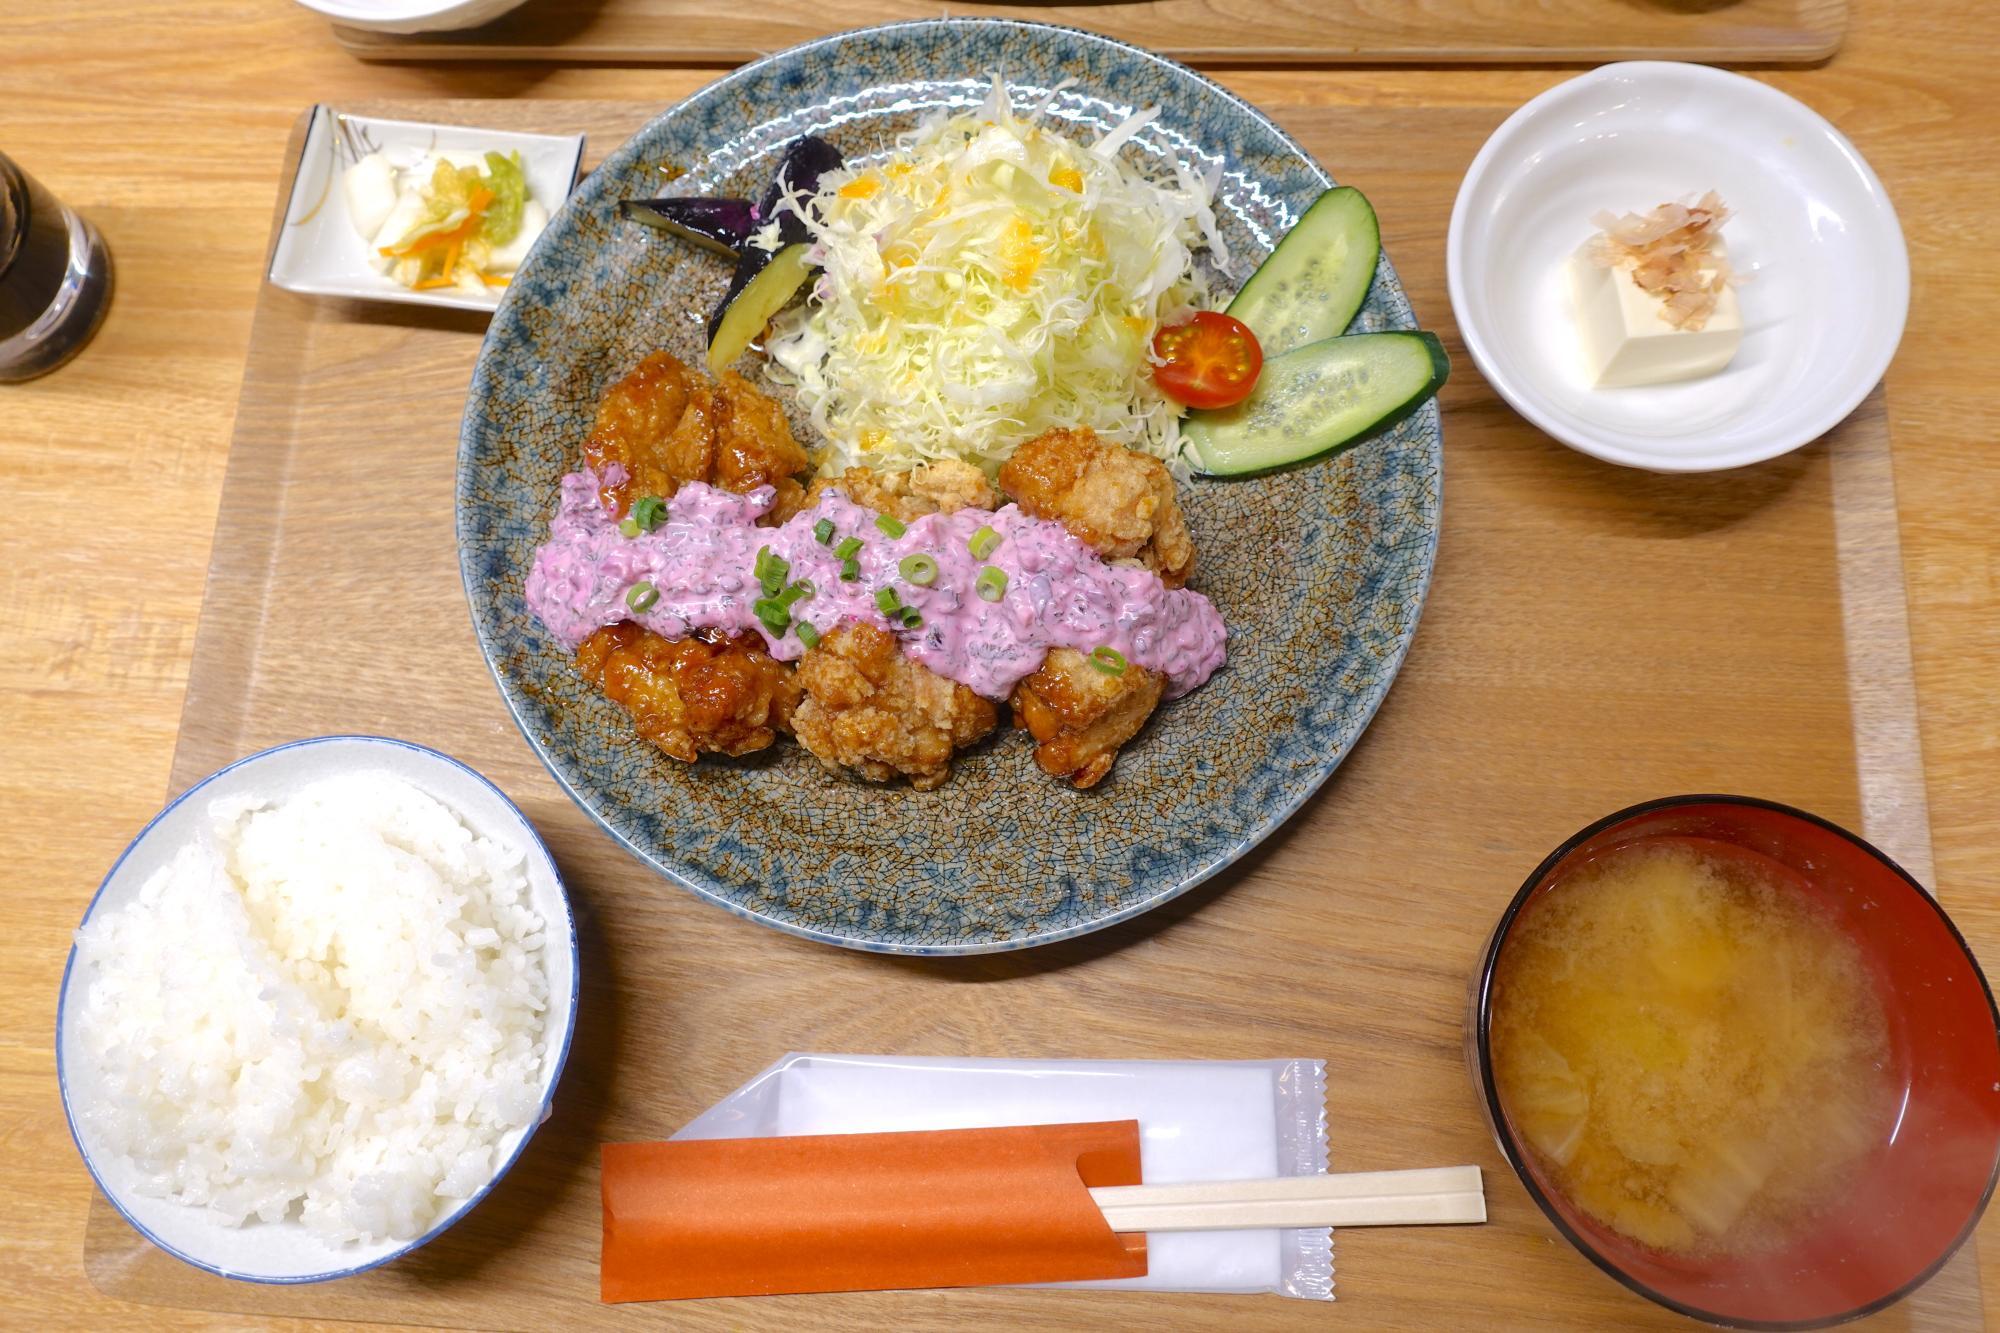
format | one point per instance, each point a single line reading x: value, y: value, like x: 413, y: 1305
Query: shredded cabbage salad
x: 987, y: 281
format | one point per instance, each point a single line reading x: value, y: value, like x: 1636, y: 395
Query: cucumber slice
x: 759, y: 291
x: 1313, y: 283
x: 1321, y: 398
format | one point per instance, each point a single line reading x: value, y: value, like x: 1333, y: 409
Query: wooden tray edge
x: 1806, y: 43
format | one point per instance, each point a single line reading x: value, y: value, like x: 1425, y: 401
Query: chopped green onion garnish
x: 773, y: 613
x: 823, y: 532
x: 641, y: 596
x: 890, y: 524
x: 849, y: 548
x: 991, y: 585
x: 983, y: 543
x: 911, y: 617
x: 798, y: 592
x: 807, y: 634
x: 1108, y: 660
x: 648, y: 511
x: 850, y: 570
x: 919, y: 569
x: 771, y: 570
x: 629, y: 526
x: 891, y: 605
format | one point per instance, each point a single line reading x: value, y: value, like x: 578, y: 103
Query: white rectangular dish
x: 319, y: 252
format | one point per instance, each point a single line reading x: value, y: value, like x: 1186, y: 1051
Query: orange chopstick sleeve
x: 865, y: 1212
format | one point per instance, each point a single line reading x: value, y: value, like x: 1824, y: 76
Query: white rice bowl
x: 317, y: 1009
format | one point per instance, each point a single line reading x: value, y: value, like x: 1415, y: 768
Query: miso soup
x: 1691, y: 1047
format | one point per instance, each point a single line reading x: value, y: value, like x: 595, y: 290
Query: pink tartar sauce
x: 703, y: 558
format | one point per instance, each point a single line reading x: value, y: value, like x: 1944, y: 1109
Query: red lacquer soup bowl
x: 1917, y: 1193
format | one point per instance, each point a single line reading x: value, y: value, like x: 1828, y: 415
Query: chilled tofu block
x: 1625, y: 340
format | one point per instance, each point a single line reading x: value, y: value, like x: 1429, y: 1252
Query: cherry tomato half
x: 1210, y: 361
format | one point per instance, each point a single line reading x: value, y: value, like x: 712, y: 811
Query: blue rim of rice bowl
x: 466, y: 1205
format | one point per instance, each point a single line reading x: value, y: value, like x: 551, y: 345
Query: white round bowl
x: 412, y: 15
x: 288, y: 1252
x: 1828, y: 277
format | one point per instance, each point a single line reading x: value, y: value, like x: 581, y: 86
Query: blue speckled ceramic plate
x: 1320, y: 572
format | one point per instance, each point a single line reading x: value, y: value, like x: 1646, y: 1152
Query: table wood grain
x: 163, y: 121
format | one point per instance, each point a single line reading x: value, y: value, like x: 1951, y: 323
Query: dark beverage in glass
x: 55, y: 278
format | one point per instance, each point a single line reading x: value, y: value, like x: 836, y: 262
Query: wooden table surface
x: 164, y: 122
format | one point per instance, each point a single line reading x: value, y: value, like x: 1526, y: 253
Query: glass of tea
x: 1740, y: 1060
x: 55, y: 278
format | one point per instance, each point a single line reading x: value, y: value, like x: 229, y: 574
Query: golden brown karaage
x: 690, y: 696
x: 870, y: 709
x: 855, y: 700
x: 667, y: 425
x: 1120, y: 503
x: 1080, y: 717
x: 943, y: 487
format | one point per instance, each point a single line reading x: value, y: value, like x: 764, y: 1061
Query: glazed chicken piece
x: 754, y: 447
x: 1079, y: 716
x: 869, y: 708
x: 635, y: 418
x: 688, y: 696
x: 943, y: 487
x: 1120, y: 503
x: 668, y: 425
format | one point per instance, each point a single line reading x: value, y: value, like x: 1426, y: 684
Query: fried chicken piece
x: 692, y: 695
x: 754, y: 447
x: 869, y: 708
x: 1079, y: 716
x: 635, y: 419
x: 1118, y: 502
x: 943, y: 487
x: 667, y: 425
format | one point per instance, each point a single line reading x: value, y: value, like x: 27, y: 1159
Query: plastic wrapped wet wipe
x: 1198, y: 1120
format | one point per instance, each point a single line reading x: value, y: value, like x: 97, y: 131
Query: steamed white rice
x: 331, y: 1009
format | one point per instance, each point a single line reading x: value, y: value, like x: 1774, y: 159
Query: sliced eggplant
x: 721, y: 225
x: 1319, y: 399
x: 765, y: 282
x: 806, y: 159
x: 726, y: 225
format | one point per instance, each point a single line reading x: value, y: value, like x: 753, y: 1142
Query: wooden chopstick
x: 1427, y: 1197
